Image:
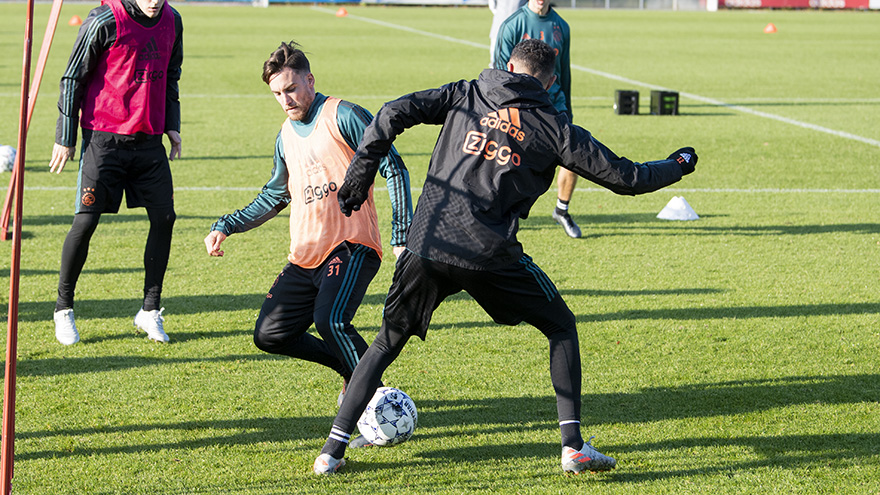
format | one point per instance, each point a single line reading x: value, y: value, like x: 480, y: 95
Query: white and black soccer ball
x: 390, y: 418
x: 7, y: 158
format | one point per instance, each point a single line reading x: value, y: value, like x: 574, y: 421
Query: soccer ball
x: 7, y: 158
x: 390, y: 418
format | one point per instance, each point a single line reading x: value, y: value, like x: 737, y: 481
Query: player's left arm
x: 352, y: 121
x: 172, y: 90
x: 584, y: 155
x: 565, y: 68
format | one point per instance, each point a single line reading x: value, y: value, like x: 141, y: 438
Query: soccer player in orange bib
x: 332, y: 258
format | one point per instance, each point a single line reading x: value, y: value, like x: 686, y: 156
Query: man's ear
x: 510, y: 67
x: 550, y: 83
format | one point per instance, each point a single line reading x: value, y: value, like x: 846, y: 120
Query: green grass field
x: 739, y: 353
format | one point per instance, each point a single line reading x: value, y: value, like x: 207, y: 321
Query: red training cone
x: 341, y: 12
x: 770, y: 28
x: 75, y: 21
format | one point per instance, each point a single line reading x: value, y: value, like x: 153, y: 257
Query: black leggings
x: 368, y: 375
x: 565, y: 367
x: 156, y: 254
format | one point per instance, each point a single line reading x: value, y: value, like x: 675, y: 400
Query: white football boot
x: 568, y: 224
x: 586, y: 459
x: 65, y: 327
x: 360, y: 442
x: 327, y: 464
x: 151, y: 322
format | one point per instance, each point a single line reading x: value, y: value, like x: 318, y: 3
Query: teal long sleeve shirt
x: 274, y: 197
x: 551, y: 29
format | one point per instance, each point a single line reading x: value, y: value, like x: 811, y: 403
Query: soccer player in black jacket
x: 498, y: 150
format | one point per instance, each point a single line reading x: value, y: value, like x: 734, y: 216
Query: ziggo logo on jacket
x: 478, y: 143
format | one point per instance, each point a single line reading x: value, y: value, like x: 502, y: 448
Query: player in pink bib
x: 121, y: 87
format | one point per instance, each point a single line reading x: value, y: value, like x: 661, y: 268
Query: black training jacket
x: 496, y: 154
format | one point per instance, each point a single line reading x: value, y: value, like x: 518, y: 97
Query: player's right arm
x: 272, y: 199
x: 508, y: 37
x: 424, y: 107
x: 97, y: 34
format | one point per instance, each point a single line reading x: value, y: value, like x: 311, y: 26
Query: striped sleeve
x: 565, y: 67
x: 506, y: 40
x: 272, y: 199
x: 97, y: 34
x: 172, y: 90
x: 352, y: 120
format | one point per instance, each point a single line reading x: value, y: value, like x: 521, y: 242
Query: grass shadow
x: 176, y: 305
x: 507, y: 414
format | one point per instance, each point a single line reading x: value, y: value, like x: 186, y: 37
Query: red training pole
x: 8, y: 442
x: 44, y: 55
x: 32, y: 100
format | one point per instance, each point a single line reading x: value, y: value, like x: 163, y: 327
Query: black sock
x: 561, y: 207
x: 335, y: 446
x: 571, y: 435
x: 156, y: 254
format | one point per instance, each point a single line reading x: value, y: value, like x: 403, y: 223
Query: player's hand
x: 213, y: 241
x: 686, y: 158
x: 350, y: 198
x: 60, y: 155
x: 398, y: 250
x: 174, y: 137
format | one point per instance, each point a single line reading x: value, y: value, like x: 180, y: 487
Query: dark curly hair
x: 536, y: 58
x: 287, y: 55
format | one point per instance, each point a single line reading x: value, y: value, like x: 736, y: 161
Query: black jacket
x: 496, y: 154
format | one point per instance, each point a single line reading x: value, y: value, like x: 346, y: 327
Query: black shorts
x: 108, y: 168
x: 517, y: 292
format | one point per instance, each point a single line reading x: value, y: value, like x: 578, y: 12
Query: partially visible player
x: 332, y: 259
x: 538, y: 20
x: 501, y: 10
x: 121, y: 87
x: 498, y: 149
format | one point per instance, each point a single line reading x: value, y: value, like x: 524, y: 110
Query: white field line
x: 405, y: 28
x: 615, y: 77
x: 743, y: 99
x: 722, y: 190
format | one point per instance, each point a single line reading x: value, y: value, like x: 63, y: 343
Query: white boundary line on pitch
x: 579, y: 189
x: 615, y: 77
x: 745, y: 100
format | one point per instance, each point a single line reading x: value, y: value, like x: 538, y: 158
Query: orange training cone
x: 770, y: 28
x: 75, y: 21
x: 341, y: 12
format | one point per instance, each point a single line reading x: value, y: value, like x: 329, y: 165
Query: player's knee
x: 163, y: 218
x: 84, y: 224
x: 558, y: 321
x: 390, y: 339
x: 265, y: 340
